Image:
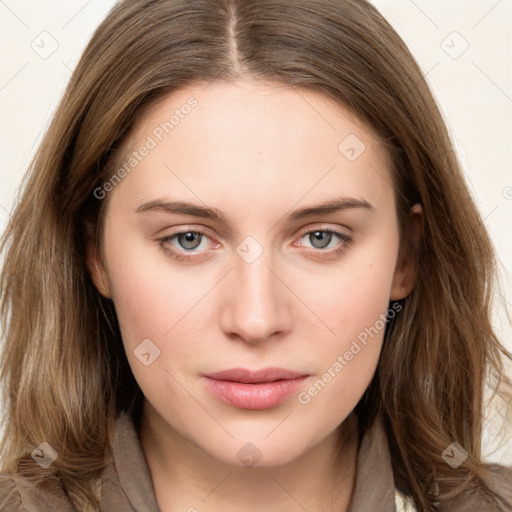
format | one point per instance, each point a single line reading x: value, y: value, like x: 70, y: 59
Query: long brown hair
x: 64, y: 372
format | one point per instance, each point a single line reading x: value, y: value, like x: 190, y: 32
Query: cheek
x: 353, y: 295
x: 153, y: 300
x: 354, y: 307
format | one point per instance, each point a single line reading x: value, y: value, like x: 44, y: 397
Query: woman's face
x: 260, y: 280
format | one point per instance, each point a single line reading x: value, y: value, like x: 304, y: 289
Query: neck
x: 186, y: 478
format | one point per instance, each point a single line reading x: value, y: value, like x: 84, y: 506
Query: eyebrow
x: 185, y: 208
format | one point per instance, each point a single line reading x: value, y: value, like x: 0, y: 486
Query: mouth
x: 254, y: 389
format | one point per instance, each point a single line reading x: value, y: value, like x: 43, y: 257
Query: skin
x: 255, y: 151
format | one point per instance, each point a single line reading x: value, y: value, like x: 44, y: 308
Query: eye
x: 186, y: 241
x: 179, y: 244
x: 321, y: 239
x: 189, y: 240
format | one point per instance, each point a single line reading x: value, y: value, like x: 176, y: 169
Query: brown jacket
x: 125, y: 485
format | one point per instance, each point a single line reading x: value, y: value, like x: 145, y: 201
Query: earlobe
x: 94, y: 263
x: 407, y: 266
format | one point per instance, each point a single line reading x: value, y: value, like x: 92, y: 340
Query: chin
x: 246, y: 453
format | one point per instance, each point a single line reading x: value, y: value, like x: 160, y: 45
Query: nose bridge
x: 256, y: 308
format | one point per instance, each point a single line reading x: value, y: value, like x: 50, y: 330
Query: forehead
x: 258, y: 139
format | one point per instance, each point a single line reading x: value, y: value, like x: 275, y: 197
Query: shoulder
x: 19, y: 494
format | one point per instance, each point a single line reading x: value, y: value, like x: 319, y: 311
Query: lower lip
x: 254, y: 396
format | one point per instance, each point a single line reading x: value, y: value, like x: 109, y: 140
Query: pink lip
x: 260, y: 389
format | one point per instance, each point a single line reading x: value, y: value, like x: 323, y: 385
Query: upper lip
x: 255, y: 376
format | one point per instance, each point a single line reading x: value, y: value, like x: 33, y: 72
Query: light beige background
x: 473, y: 86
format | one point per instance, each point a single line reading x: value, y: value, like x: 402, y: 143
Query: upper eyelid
x: 317, y: 227
x: 324, y: 228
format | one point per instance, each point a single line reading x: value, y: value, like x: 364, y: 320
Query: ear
x: 94, y: 262
x: 406, y: 267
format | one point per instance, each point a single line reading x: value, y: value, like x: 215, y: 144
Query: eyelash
x: 346, y: 240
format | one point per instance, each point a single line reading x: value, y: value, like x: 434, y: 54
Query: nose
x: 256, y: 304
